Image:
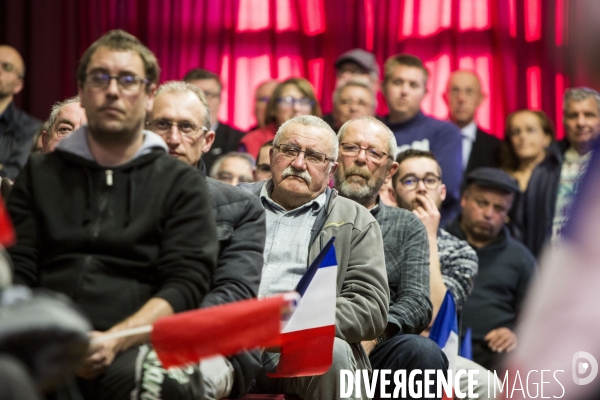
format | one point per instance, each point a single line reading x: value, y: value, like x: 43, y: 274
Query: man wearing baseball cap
x: 505, y: 265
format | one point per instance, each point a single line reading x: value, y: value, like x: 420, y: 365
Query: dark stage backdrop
x: 516, y: 46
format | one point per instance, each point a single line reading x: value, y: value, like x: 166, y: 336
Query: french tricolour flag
x: 444, y: 332
x: 307, y: 337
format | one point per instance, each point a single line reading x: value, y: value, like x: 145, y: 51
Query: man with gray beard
x: 366, y: 161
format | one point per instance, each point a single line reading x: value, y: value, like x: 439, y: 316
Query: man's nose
x: 299, y: 162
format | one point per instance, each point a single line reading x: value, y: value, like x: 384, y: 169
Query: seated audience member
x: 262, y: 172
x: 365, y: 162
x: 227, y: 138
x: 355, y: 65
x: 404, y: 88
x: 65, y: 117
x: 554, y: 182
x: 263, y: 93
x: 351, y: 100
x: 233, y: 168
x: 527, y: 137
x: 463, y: 97
x: 291, y: 98
x: 452, y: 262
x: 181, y: 116
x: 505, y: 265
x: 303, y: 213
x: 17, y: 128
x: 113, y: 222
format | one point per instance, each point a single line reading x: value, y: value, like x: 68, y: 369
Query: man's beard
x: 114, y: 137
x: 363, y: 194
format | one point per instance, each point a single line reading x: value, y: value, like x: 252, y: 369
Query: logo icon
x: 581, y: 364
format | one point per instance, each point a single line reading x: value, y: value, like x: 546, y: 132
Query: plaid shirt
x: 458, y: 264
x: 406, y: 249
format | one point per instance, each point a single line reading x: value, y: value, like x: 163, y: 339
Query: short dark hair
x: 122, y: 41
x: 413, y: 153
x: 200, y: 74
x: 403, y: 59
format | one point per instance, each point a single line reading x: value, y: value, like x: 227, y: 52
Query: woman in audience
x: 291, y: 98
x: 527, y: 137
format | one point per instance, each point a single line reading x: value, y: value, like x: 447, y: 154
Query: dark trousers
x: 485, y: 357
x: 408, y: 352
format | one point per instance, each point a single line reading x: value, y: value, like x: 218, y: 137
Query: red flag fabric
x: 7, y: 233
x: 226, y: 329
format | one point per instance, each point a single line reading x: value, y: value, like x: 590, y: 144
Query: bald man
x: 464, y: 96
x: 17, y: 128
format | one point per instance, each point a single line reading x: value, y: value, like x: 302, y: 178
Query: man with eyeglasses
x: 453, y: 263
x: 227, y: 138
x: 17, y: 128
x: 505, y: 265
x: 233, y: 168
x: 181, y: 116
x: 65, y: 117
x: 112, y: 221
x: 351, y: 100
x: 303, y: 213
x: 366, y: 146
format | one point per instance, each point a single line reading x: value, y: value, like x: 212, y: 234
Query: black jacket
x: 17, y: 129
x: 484, y: 153
x: 241, y: 230
x: 536, y: 208
x: 111, y: 239
x: 227, y: 139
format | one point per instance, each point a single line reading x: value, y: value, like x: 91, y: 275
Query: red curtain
x: 516, y: 46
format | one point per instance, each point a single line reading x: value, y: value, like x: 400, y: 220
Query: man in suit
x: 464, y: 96
x: 226, y: 137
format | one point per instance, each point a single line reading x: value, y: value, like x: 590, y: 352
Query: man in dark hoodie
x: 112, y: 221
x: 505, y: 265
x: 181, y: 116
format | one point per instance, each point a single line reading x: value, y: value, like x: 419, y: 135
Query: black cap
x: 363, y: 58
x: 495, y: 178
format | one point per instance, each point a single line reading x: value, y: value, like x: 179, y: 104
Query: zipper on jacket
x: 109, y: 177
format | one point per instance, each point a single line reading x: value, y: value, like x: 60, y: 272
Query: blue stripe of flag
x: 326, y: 258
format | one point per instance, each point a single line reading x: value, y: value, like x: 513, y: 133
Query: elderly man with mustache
x: 367, y: 148
x: 303, y: 213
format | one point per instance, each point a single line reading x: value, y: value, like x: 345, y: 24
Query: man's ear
x: 150, y: 99
x: 18, y: 87
x: 391, y: 171
x: 209, y: 139
x: 45, y: 140
x: 334, y: 167
x: 443, y: 193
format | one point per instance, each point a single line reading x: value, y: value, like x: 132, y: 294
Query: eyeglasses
x: 312, y: 157
x: 10, y: 67
x: 289, y: 101
x: 186, y: 128
x: 264, y: 168
x: 353, y: 150
x: 127, y: 82
x: 430, y: 181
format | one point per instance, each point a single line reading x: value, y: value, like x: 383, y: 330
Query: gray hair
x: 354, y: 83
x: 392, y: 145
x: 177, y: 87
x: 579, y: 94
x: 232, y: 154
x: 56, y: 109
x: 309, y: 120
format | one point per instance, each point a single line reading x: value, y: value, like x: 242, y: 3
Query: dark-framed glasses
x: 352, y: 150
x: 411, y: 182
x: 289, y: 101
x: 126, y: 82
x: 310, y: 156
x: 186, y: 128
